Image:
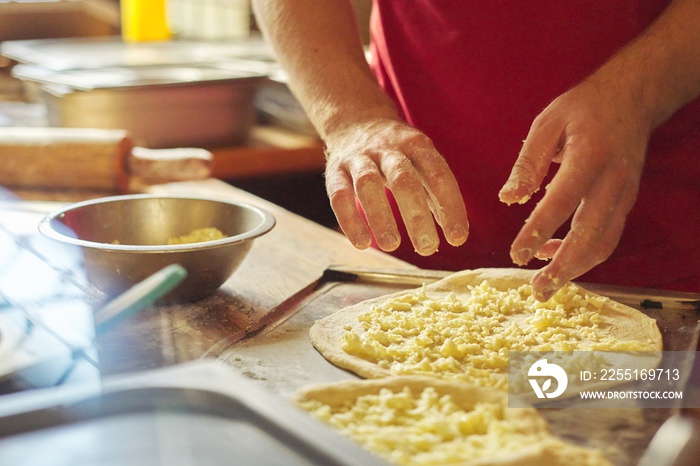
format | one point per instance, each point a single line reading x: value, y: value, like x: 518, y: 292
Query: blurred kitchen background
x: 206, y: 79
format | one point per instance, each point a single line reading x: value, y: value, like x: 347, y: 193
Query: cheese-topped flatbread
x: 463, y: 327
x: 426, y: 421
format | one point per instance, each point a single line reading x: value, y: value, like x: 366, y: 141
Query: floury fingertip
x: 508, y: 196
x: 458, y: 234
x: 521, y: 256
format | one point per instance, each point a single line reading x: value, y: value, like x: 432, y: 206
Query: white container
x: 218, y: 20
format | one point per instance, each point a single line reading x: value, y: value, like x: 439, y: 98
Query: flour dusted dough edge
x: 622, y: 322
x: 550, y: 451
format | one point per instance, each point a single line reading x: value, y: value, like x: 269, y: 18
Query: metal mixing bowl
x: 124, y: 239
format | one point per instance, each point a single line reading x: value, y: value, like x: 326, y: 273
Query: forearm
x: 318, y: 43
x: 660, y: 70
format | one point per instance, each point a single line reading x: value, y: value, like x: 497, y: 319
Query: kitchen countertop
x: 284, y: 273
x: 276, y: 276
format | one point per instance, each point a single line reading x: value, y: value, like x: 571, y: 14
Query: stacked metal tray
x: 166, y: 94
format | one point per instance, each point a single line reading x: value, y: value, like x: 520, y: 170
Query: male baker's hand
x: 599, y: 136
x: 365, y: 158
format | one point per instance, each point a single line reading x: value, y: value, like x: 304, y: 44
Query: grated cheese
x: 198, y: 235
x: 469, y: 339
x: 427, y: 428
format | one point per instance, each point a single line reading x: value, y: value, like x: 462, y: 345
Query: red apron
x: 473, y: 75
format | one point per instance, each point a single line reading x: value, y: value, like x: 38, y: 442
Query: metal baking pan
x: 160, y: 106
x: 198, y: 413
x: 280, y: 355
x: 233, y: 72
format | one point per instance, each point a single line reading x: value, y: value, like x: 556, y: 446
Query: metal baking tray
x: 160, y: 106
x: 197, y: 413
x: 233, y: 72
x: 95, y: 53
x: 280, y: 356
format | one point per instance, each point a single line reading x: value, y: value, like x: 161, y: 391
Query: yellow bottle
x: 144, y: 20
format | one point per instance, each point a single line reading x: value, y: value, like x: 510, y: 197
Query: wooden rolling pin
x: 87, y: 158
